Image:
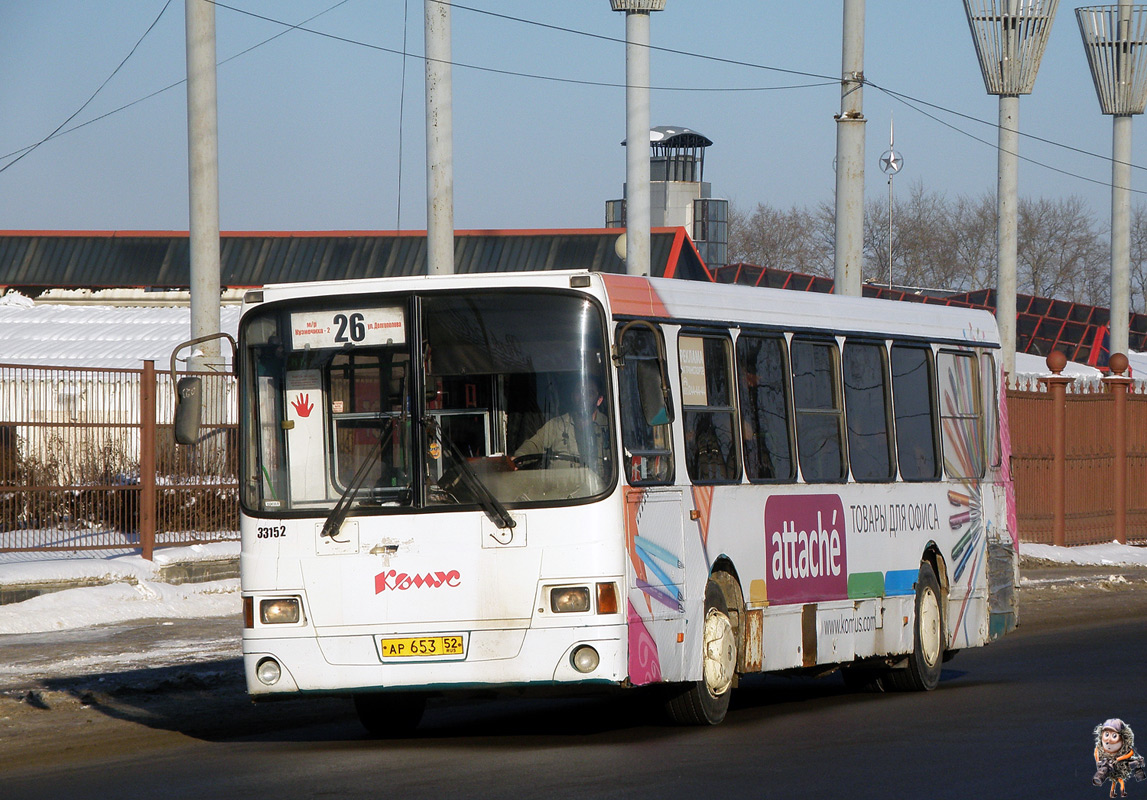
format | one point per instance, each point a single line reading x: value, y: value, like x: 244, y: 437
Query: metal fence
x: 1085, y: 489
x: 88, y: 461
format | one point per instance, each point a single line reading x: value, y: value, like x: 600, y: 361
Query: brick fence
x: 1088, y: 462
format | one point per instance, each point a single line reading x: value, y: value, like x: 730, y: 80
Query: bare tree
x: 1061, y: 253
x: 1139, y: 259
x: 941, y: 243
x: 771, y: 237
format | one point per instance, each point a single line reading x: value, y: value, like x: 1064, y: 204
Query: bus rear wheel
x: 922, y: 673
x: 388, y: 715
x: 705, y: 702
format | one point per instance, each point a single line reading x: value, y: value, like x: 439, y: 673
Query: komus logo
x: 395, y: 581
x: 805, y: 548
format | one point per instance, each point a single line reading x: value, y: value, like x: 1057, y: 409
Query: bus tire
x: 705, y: 702
x: 922, y: 672
x: 386, y: 715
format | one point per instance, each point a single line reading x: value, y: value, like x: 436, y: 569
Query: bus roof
x: 699, y: 303
x: 690, y: 301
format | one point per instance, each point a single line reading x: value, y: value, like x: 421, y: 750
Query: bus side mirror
x: 188, y: 408
x: 654, y: 394
x: 189, y: 391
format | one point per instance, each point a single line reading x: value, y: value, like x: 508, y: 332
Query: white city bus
x: 561, y: 479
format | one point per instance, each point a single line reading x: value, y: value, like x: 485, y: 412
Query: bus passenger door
x: 654, y: 508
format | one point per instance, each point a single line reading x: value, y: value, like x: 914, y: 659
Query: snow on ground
x: 132, y: 591
x: 120, y: 602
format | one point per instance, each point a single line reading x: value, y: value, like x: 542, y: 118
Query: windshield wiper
x: 489, y: 502
x: 338, y: 514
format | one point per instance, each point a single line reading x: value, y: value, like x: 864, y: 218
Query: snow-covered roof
x: 94, y: 336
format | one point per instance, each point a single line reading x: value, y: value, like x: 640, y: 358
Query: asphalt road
x: 1014, y: 719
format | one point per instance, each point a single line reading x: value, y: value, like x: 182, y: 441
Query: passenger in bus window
x: 579, y: 437
x: 708, y: 450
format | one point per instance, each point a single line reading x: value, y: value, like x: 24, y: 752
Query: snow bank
x: 1100, y: 555
x: 120, y: 602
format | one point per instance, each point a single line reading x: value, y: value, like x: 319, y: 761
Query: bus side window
x: 867, y: 409
x: 914, y: 401
x: 645, y: 430
x: 707, y: 401
x: 762, y: 367
x: 991, y: 413
x: 961, y: 414
x: 819, y: 412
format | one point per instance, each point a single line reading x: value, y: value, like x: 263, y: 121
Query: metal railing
x: 88, y: 461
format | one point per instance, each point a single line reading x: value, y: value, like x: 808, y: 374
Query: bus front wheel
x: 922, y: 673
x: 388, y: 715
x: 705, y: 702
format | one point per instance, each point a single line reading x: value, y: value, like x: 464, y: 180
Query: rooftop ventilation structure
x: 678, y: 193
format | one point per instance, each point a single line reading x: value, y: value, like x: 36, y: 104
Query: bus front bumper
x: 347, y: 664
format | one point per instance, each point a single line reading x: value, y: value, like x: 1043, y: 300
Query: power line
x: 58, y: 133
x: 995, y: 146
x: 107, y: 80
x: 824, y: 80
x: 904, y: 97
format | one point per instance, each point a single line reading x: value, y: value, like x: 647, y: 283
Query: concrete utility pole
x: 1010, y: 37
x: 1114, y: 38
x: 849, y: 252
x: 439, y: 142
x: 637, y: 131
x: 203, y: 179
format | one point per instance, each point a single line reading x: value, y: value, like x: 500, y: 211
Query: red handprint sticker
x: 303, y: 405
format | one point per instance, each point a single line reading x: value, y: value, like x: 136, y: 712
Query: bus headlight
x: 568, y: 599
x: 584, y: 658
x: 268, y: 671
x: 280, y: 611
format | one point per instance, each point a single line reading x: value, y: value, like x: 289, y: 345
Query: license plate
x: 451, y: 646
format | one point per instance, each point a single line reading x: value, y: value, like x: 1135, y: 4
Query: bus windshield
x: 415, y: 402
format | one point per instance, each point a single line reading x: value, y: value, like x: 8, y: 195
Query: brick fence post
x: 1057, y: 386
x: 1117, y: 384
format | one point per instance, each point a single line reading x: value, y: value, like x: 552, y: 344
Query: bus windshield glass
x: 411, y: 402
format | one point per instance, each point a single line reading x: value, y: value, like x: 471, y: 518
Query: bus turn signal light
x: 607, y: 598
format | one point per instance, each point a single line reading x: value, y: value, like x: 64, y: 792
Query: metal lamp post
x: 637, y: 130
x: 1114, y: 39
x: 439, y: 141
x: 848, y: 250
x: 1010, y: 37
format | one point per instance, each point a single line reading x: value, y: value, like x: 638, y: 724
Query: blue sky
x: 310, y: 126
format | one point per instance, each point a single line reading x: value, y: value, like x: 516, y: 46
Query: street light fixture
x: 1010, y: 37
x: 1114, y: 39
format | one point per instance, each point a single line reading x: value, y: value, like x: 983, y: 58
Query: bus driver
x: 579, y: 437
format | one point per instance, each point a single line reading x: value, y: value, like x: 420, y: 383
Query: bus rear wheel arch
x: 921, y: 671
